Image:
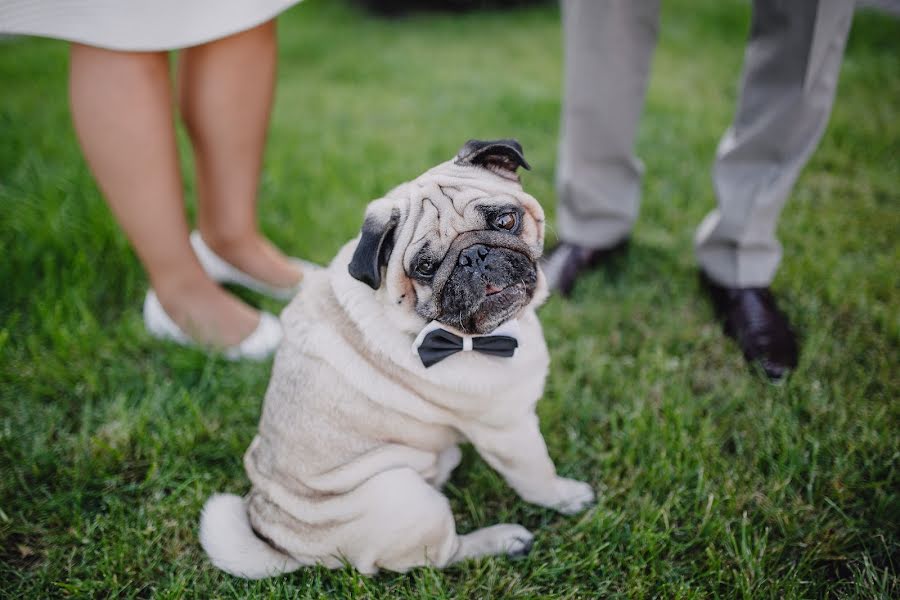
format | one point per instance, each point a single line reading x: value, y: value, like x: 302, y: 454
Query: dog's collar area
x: 436, y: 341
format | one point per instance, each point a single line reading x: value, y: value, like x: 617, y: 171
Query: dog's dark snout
x: 473, y: 256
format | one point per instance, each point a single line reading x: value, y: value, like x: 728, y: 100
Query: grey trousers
x: 788, y: 83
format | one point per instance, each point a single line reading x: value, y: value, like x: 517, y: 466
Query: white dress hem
x: 137, y: 25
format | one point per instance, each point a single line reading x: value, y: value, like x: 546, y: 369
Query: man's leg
x: 608, y: 49
x: 790, y: 74
x: 789, y: 78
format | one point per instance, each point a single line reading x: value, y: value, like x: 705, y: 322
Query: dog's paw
x: 516, y: 541
x: 512, y: 540
x: 573, y: 496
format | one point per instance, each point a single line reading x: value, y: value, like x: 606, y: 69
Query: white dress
x: 137, y: 25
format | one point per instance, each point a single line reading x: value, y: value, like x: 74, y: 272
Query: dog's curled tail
x: 231, y: 544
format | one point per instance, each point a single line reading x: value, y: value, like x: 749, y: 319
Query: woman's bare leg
x: 122, y: 110
x: 225, y: 92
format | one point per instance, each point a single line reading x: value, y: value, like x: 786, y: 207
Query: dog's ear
x: 501, y: 156
x: 376, y: 241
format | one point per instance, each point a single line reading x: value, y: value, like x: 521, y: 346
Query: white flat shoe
x: 222, y: 271
x: 259, y: 345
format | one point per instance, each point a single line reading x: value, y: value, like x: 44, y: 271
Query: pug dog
x: 420, y: 335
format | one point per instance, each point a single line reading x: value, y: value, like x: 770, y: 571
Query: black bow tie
x: 440, y: 343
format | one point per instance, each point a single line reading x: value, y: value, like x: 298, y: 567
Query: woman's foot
x: 257, y: 257
x: 206, y: 313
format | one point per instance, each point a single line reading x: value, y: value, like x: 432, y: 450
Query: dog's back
x: 324, y: 454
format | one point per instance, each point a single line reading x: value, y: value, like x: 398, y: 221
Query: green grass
x: 712, y: 483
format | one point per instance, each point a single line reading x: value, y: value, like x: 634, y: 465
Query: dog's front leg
x: 519, y: 454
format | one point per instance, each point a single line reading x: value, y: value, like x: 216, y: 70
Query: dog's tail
x: 231, y: 544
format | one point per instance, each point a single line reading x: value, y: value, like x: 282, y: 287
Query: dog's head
x: 459, y: 244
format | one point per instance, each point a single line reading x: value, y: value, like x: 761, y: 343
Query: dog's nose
x: 473, y: 256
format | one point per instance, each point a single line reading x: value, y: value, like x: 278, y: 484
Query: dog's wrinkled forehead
x: 450, y: 200
x: 477, y: 190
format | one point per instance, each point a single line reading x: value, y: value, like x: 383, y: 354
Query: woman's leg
x: 122, y: 111
x: 225, y: 92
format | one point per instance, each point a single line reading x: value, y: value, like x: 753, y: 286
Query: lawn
x: 711, y: 482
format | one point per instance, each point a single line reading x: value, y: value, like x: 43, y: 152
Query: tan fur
x: 356, y: 436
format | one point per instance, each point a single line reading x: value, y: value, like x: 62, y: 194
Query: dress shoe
x: 259, y: 345
x: 565, y: 263
x: 751, y: 317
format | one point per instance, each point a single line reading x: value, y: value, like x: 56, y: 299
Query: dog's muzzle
x: 485, y: 278
x: 465, y: 242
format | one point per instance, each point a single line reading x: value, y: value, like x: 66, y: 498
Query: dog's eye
x: 426, y: 266
x: 507, y: 221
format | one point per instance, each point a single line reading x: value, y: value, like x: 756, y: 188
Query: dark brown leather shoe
x: 565, y: 263
x: 751, y: 317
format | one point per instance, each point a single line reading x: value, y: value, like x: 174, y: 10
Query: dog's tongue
x: 491, y: 289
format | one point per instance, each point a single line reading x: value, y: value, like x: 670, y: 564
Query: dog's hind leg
x: 506, y: 538
x: 407, y: 523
